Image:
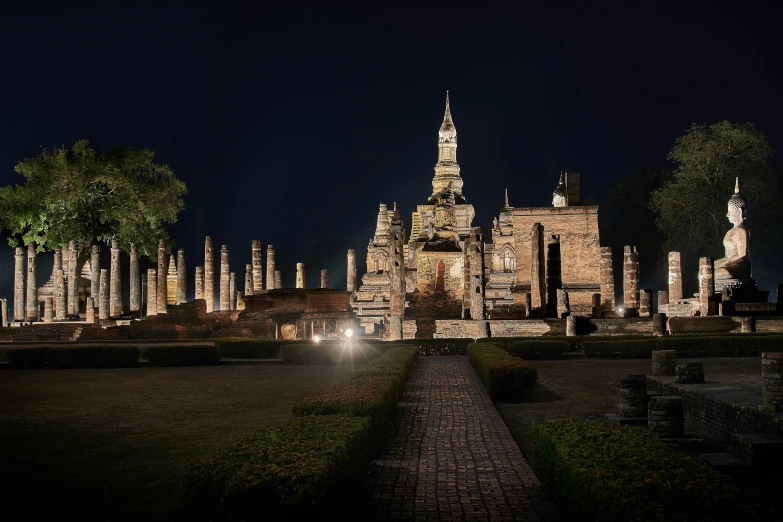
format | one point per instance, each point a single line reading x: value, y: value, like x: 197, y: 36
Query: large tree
x: 87, y: 196
x: 691, y: 207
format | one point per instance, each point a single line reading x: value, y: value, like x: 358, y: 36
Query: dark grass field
x: 114, y: 444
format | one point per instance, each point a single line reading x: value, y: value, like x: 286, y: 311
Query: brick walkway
x: 450, y: 455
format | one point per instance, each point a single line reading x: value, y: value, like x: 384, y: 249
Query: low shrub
x: 181, y: 355
x: 537, y: 349
x: 328, y: 352
x: 81, y: 356
x: 441, y: 346
x: 607, y: 472
x: 243, y: 348
x: 727, y: 345
x: 279, y: 474
x: 506, y: 378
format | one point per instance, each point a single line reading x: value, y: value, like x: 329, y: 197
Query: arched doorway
x: 440, y: 284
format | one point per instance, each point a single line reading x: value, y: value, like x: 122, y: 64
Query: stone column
x: 607, y: 281
x: 271, y: 282
x: 135, y: 283
x: 537, y: 281
x: 630, y: 281
x: 664, y: 362
x: 258, y: 268
x: 209, y: 274
x: 748, y: 324
x: 351, y: 270
x: 143, y: 295
x: 90, y: 312
x: 115, y: 295
x: 633, y: 396
x: 324, y: 278
x: 249, y: 280
x: 103, y: 292
x: 659, y: 325
x: 232, y: 291
x: 706, y: 286
x: 300, y: 275
x: 396, y: 280
x: 666, y: 416
x: 171, y: 281
x: 73, y: 280
x: 19, y: 311
x: 48, y: 305
x: 225, y: 279
x: 772, y: 381
x: 152, y: 292
x: 163, y: 277
x: 4, y: 312
x: 59, y: 285
x: 675, y: 276
x: 278, y: 279
x: 32, y: 285
x: 645, y: 303
x: 182, y: 278
x: 570, y: 325
x: 528, y: 304
x: 240, y: 301
x: 663, y: 298
x: 95, y: 272
x: 563, y: 308
x: 199, y: 282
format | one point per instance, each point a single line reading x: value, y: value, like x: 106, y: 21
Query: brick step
x: 759, y: 449
x: 727, y: 463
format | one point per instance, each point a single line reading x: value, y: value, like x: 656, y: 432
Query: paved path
x: 450, y: 455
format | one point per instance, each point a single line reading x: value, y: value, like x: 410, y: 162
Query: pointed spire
x: 448, y: 110
x: 736, y: 183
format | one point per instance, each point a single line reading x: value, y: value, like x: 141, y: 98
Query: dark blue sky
x: 291, y: 126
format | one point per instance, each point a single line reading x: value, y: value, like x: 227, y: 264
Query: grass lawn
x: 113, y: 444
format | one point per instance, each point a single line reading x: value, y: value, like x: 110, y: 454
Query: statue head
x: 737, y: 206
x: 559, y: 197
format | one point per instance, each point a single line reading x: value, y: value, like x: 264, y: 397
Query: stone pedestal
x: 748, y: 324
x: 48, y: 310
x: 630, y: 281
x: 163, y: 279
x: 19, y: 294
x: 664, y: 362
x: 61, y: 302
x: 232, y: 291
x: 209, y: 275
x: 706, y: 287
x: 95, y: 272
x: 691, y: 373
x: 645, y: 303
x: 90, y: 313
x: 271, y: 282
x: 115, y: 296
x: 182, y: 278
x: 258, y: 268
x: 300, y: 275
x: 675, y: 277
x: 135, y: 279
x: 563, y: 308
x: 249, y: 280
x: 633, y: 396
x: 199, y: 282
x: 607, y: 281
x: 324, y: 278
x: 31, y: 309
x: 225, y: 279
x: 659, y: 324
x: 103, y: 295
x: 72, y: 283
x: 570, y: 325
x: 152, y: 292
x: 278, y: 279
x: 351, y: 270
x: 772, y: 381
x: 666, y: 416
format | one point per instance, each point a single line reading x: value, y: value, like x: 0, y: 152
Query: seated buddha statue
x: 736, y: 263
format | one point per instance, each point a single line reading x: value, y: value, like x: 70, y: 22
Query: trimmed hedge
x: 181, y: 355
x: 607, y: 472
x: 243, y: 348
x: 727, y: 345
x: 328, y: 352
x: 279, y: 474
x: 506, y: 378
x: 441, y: 346
x: 74, y: 357
x: 538, y: 349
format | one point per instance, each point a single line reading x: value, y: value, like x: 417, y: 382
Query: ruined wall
x: 453, y: 278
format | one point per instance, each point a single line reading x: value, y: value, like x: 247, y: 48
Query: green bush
x: 243, y: 348
x: 441, y: 346
x: 607, y: 472
x: 506, y: 378
x: 181, y: 355
x: 727, y: 345
x: 537, y: 349
x: 280, y: 474
x: 80, y: 356
x: 328, y: 352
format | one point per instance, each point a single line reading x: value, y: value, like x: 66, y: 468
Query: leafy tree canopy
x: 691, y: 207
x: 85, y: 196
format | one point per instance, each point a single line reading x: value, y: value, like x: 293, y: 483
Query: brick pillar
x: 607, y: 281
x: 32, y: 285
x: 171, y: 281
x: 659, y: 324
x: 630, y: 281
x: 396, y: 280
x: 90, y: 311
x: 278, y: 279
x: 675, y: 276
x: 232, y: 291
x: 563, y: 308
x: 103, y: 293
x: 570, y: 325
x: 300, y: 275
x: 240, y: 301
x: 95, y: 272
x: 663, y: 298
x: 209, y: 274
x: 152, y: 292
x: 73, y: 280
x: 59, y: 284
x: 135, y: 279
x: 258, y: 268
x: 271, y: 282
x: 706, y: 286
x: 48, y: 306
x: 528, y: 304
x: 19, y: 311
x: 199, y: 282
x: 250, y: 281
x: 475, y: 250
x: 351, y: 270
x: 115, y: 295
x: 4, y: 312
x: 225, y: 279
x: 537, y: 275
x: 645, y: 303
x: 143, y: 295
x: 163, y: 278
x: 182, y: 278
x: 324, y: 278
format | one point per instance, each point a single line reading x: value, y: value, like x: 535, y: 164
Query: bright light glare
x: 316, y: 339
x: 349, y: 333
x: 620, y: 309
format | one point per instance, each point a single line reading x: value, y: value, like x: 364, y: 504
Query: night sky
x: 292, y: 126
